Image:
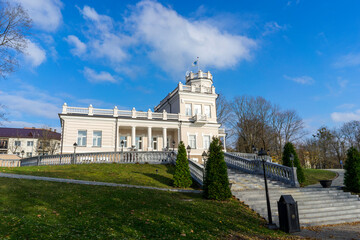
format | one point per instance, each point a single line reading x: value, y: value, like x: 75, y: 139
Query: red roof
x: 29, y: 133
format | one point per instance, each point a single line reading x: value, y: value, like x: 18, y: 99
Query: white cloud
x: 95, y: 77
x: 46, y: 14
x: 306, y: 80
x: 19, y: 104
x: 169, y: 39
x: 273, y: 27
x: 35, y: 54
x: 346, y: 106
x: 346, y: 116
x: 176, y: 41
x: 104, y: 41
x: 79, y: 47
x: 349, y: 60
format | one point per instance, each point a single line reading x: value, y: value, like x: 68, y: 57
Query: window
x: 206, y: 142
x: 97, y: 138
x: 192, y: 141
x: 28, y: 154
x: 17, y: 143
x: 155, y: 143
x: 207, y: 111
x: 123, y: 138
x: 30, y: 143
x: 139, y: 143
x: 81, y: 141
x: 197, y: 109
x: 17, y: 153
x: 188, y: 109
x: 3, y: 144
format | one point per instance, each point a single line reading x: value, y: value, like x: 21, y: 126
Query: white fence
x: 101, y: 157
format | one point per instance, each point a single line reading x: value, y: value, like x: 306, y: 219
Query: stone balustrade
x: 163, y: 157
x: 115, y: 112
x: 197, y: 172
x: 9, y: 163
x: 273, y: 171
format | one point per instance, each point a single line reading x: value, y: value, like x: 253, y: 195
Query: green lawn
x: 313, y: 176
x: 32, y: 209
x: 135, y: 174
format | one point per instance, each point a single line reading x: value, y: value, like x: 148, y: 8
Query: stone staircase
x: 317, y: 206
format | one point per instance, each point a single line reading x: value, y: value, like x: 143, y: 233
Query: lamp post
x: 122, y: 145
x: 292, y: 159
x: 204, y: 155
x: 188, y: 150
x: 173, y: 144
x: 254, y: 149
x: 22, y: 154
x: 262, y: 154
x: 75, y: 145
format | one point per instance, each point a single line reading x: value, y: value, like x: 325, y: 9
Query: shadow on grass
x: 159, y: 178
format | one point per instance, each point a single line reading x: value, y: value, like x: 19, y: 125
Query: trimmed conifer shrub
x: 216, y: 183
x: 288, y: 149
x: 352, y: 170
x: 182, y: 177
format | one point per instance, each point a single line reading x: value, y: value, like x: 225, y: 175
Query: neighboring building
x: 186, y: 114
x: 28, y: 142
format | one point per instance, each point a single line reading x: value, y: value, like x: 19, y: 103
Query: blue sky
x: 302, y: 55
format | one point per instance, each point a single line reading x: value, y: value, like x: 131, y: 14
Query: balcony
x: 200, y: 118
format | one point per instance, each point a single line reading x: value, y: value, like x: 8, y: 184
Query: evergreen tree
x: 182, y: 177
x: 288, y: 150
x: 216, y: 184
x: 352, y: 170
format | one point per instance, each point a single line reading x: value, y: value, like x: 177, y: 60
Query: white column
x: 149, y: 139
x: 133, y: 136
x: 164, y: 137
x: 179, y: 135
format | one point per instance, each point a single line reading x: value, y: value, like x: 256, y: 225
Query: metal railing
x: 101, y: 157
x: 273, y: 171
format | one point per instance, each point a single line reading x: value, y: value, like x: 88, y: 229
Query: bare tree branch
x: 14, y: 27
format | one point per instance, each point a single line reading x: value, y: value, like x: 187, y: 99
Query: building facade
x: 186, y: 114
x: 29, y: 142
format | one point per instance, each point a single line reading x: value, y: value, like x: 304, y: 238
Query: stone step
x: 308, y: 208
x: 315, y: 213
x: 334, y: 212
x: 301, y: 198
x: 317, y: 206
x: 330, y: 209
x: 320, y: 221
x: 328, y: 222
x: 292, y: 190
x: 352, y: 217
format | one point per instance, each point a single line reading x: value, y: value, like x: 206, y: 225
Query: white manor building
x: 186, y: 114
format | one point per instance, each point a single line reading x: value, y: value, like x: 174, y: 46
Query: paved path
x: 64, y: 180
x: 337, y: 182
x: 343, y: 231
